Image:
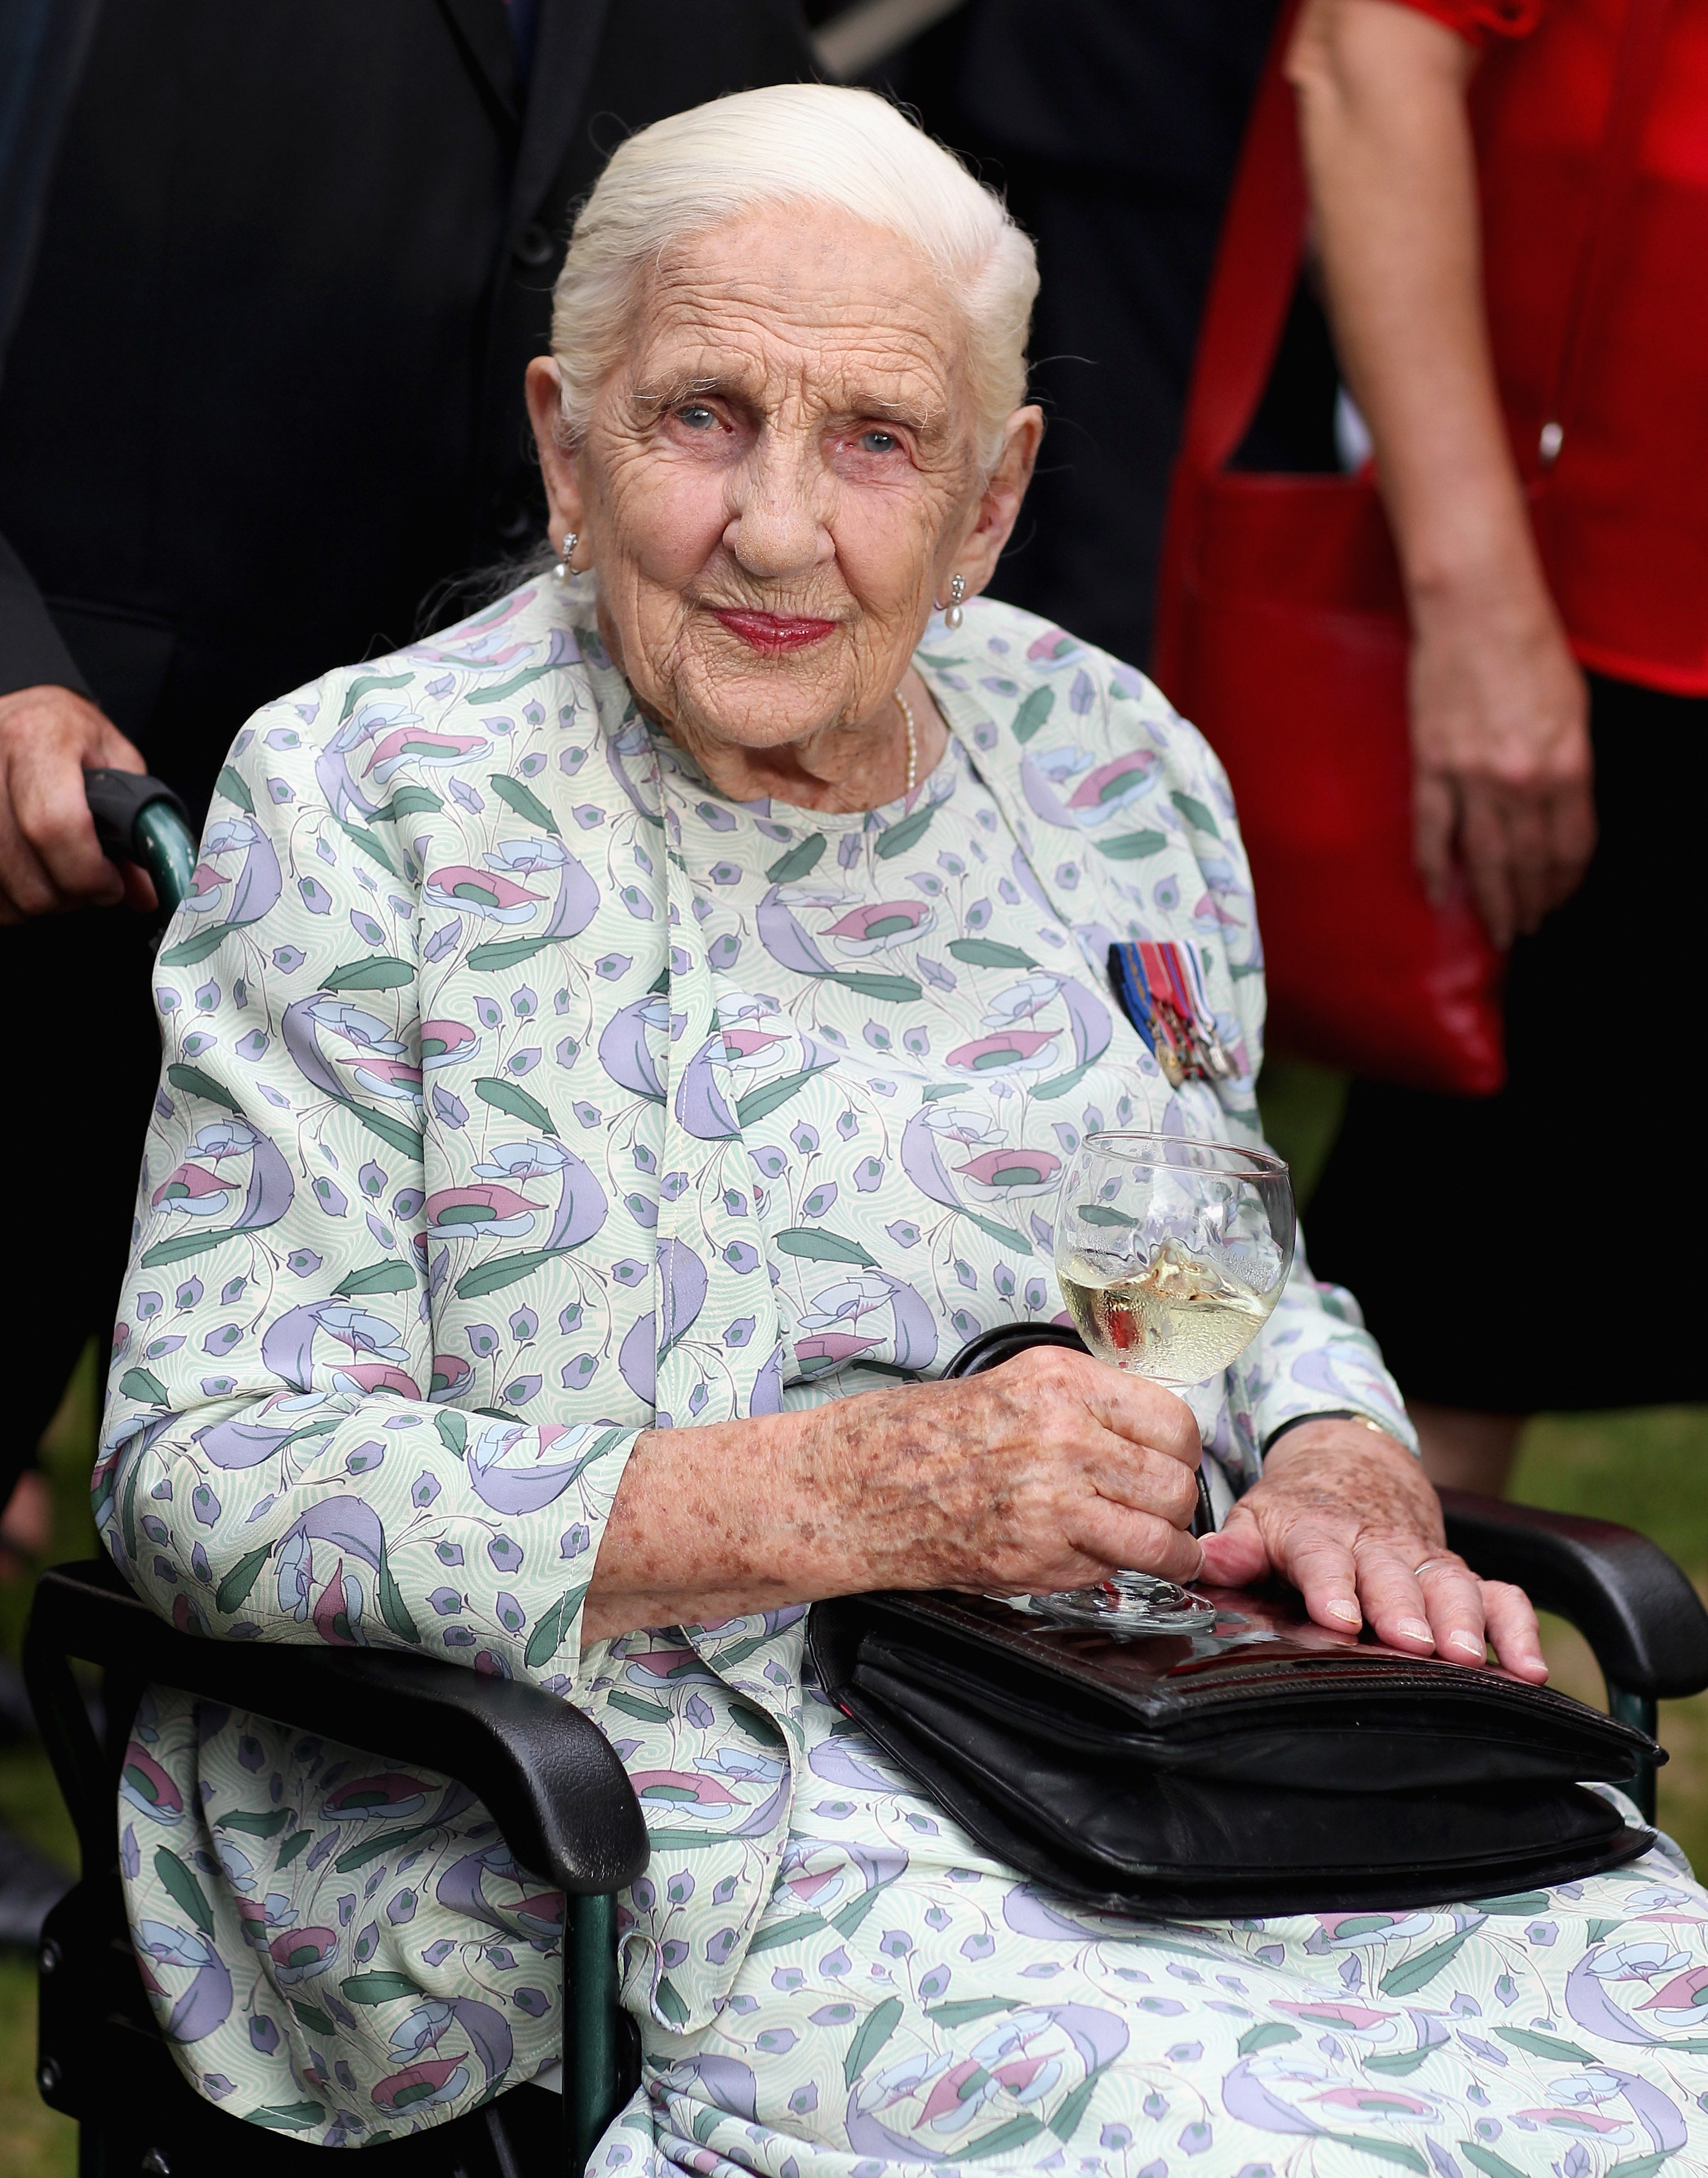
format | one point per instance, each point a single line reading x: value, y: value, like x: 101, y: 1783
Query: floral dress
x: 521, y: 1091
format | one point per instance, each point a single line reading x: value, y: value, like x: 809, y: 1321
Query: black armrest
x: 547, y: 1774
x: 1635, y: 1608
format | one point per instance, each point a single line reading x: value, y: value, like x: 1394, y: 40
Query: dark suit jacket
x: 263, y: 396
x: 265, y: 389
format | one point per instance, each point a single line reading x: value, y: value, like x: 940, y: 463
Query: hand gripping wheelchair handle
x: 140, y: 819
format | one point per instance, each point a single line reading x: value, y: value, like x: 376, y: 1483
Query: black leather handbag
x: 1263, y: 1766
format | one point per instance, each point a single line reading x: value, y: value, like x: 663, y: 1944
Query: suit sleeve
x: 33, y: 652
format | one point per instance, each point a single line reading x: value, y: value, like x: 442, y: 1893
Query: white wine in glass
x: 1171, y: 1255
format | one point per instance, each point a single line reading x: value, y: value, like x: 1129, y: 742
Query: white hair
x: 795, y: 144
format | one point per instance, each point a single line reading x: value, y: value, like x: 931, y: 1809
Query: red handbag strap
x: 1263, y: 235
x: 1257, y: 263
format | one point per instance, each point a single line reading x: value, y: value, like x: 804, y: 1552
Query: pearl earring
x: 562, y: 571
x: 953, y: 616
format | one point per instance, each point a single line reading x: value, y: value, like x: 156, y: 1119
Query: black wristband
x: 1327, y: 1415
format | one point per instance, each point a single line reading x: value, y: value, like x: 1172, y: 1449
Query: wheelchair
x: 558, y: 1794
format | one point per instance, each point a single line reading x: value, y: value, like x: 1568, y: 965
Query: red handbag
x: 1281, y: 633
x: 1281, y: 630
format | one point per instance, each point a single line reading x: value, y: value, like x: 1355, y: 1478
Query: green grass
x: 1302, y: 1109
x: 1648, y: 1468
x: 35, y: 2141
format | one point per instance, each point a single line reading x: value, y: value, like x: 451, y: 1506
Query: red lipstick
x: 772, y: 634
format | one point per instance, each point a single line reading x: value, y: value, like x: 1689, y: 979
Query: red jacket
x: 1624, y: 529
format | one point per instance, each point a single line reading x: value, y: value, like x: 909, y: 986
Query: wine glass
x: 1170, y: 1255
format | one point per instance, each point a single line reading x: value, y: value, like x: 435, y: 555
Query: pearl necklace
x: 912, y: 743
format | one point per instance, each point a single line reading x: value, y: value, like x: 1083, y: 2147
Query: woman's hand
x: 1044, y: 1473
x: 1347, y: 1516
x: 1501, y: 752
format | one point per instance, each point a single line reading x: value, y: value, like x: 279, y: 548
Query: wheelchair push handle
x: 139, y: 819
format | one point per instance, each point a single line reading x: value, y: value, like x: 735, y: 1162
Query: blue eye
x: 879, y: 442
x: 697, y: 417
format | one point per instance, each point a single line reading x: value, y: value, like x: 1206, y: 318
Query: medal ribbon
x: 1171, y: 1004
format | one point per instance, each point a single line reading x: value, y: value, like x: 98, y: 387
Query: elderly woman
x: 616, y: 1050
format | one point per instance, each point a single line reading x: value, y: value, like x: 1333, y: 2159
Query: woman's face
x: 779, y: 479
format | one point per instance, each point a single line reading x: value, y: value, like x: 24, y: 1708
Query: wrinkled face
x: 779, y: 477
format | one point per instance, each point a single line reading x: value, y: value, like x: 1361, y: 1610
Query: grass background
x: 1645, y: 1467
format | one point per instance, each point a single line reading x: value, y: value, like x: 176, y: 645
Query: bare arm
x: 1041, y: 1475
x: 1499, y: 712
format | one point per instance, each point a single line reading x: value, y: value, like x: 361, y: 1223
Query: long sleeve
x: 33, y: 652
x: 312, y: 1433
x: 1313, y: 1356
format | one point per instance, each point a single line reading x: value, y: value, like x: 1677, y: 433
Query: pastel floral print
x: 522, y: 1091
